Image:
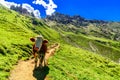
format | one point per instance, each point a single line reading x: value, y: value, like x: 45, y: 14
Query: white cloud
x: 8, y: 4
x: 50, y: 7
x: 29, y: 8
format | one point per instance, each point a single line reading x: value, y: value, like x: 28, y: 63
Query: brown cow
x: 39, y: 52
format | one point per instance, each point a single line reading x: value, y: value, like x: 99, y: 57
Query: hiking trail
x: 24, y: 70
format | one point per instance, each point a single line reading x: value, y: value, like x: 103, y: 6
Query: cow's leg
x: 41, y: 59
x: 44, y: 60
x: 36, y: 60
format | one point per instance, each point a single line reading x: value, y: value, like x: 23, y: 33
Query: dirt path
x: 25, y: 69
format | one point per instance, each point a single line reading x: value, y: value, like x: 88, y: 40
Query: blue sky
x: 90, y: 9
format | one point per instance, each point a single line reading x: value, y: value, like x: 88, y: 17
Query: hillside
x: 96, y: 36
x: 76, y: 58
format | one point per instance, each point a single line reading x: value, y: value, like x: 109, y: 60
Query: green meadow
x: 80, y: 57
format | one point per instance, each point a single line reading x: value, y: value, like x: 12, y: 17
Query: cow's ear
x: 45, y: 41
x: 32, y: 39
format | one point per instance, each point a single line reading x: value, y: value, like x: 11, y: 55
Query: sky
x: 90, y: 9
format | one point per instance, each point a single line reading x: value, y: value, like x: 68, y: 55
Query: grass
x: 106, y: 48
x: 73, y: 61
x: 14, y: 41
x: 70, y: 63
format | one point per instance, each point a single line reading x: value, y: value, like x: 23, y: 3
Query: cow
x: 39, y: 49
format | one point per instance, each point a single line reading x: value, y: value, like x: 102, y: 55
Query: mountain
x: 97, y: 28
x: 22, y: 10
x: 82, y: 55
x: 76, y: 20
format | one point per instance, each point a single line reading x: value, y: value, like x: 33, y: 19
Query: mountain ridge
x: 78, y: 24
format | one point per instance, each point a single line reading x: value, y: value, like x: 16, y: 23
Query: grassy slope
x: 14, y: 41
x: 103, y: 46
x: 68, y: 63
x: 15, y: 31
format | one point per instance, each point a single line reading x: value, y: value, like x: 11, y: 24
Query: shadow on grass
x: 41, y: 73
